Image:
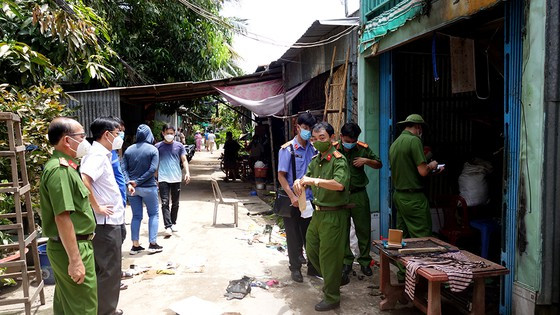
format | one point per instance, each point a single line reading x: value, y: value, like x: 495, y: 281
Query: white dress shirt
x: 97, y: 165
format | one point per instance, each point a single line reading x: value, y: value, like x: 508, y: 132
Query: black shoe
x: 302, y: 260
x: 154, y: 248
x: 345, y: 279
x: 296, y: 276
x: 312, y: 272
x: 346, y: 269
x: 366, y: 270
x: 136, y: 249
x: 324, y: 306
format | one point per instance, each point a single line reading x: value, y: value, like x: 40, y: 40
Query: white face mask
x: 117, y: 142
x: 83, y: 148
x: 169, y: 138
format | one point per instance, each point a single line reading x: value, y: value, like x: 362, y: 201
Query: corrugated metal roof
x: 319, y: 30
x: 180, y: 91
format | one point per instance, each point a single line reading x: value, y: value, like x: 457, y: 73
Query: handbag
x: 282, y: 204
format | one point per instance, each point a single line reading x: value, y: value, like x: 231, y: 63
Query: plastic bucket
x: 260, y: 172
x: 46, y: 269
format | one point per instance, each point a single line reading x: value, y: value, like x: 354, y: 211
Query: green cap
x: 413, y: 118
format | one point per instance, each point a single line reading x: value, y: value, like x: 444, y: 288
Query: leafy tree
x: 42, y: 42
x: 166, y: 41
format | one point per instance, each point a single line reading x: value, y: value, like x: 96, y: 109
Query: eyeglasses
x: 81, y: 134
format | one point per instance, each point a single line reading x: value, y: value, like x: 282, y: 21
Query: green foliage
x: 36, y: 106
x: 157, y: 129
x: 42, y: 43
x: 165, y: 41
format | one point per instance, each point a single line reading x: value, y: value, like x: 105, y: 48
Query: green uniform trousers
x: 413, y: 214
x: 326, y: 240
x: 69, y: 297
x: 413, y: 217
x: 362, y: 224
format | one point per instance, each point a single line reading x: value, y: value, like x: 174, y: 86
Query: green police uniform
x: 61, y: 190
x: 328, y: 231
x: 413, y: 209
x: 360, y: 213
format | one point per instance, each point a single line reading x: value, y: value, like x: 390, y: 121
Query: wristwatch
x: 316, y: 182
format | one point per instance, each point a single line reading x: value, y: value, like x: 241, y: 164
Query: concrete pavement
x: 226, y: 254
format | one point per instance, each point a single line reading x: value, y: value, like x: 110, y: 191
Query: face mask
x: 305, y: 134
x: 117, y: 142
x: 348, y: 145
x: 322, y: 146
x: 121, y: 134
x: 83, y: 148
x: 169, y: 138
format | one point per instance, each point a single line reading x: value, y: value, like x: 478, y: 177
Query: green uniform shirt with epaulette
x: 331, y: 166
x: 61, y: 190
x: 358, y: 177
x: 405, y: 154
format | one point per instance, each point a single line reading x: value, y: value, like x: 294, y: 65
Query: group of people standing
x: 332, y: 176
x: 83, y: 206
x: 208, y: 139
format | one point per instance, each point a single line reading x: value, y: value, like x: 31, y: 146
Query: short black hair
x: 229, y: 134
x: 306, y: 119
x: 168, y: 126
x: 351, y: 130
x: 324, y: 125
x: 102, y: 124
x: 117, y: 119
x: 58, y: 128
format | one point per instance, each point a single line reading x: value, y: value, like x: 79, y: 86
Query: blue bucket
x: 46, y: 269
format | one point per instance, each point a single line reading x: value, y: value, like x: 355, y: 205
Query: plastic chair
x: 486, y: 228
x: 455, y: 227
x: 219, y: 199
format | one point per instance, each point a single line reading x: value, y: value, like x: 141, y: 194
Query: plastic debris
x: 195, y: 305
x: 272, y: 283
x: 165, y: 272
x: 238, y: 289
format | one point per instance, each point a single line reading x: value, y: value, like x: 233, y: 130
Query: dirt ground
x: 207, y: 257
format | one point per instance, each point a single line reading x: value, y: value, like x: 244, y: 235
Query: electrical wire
x: 211, y: 16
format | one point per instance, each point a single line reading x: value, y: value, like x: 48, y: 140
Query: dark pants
x: 296, y: 228
x: 169, y: 217
x: 107, y: 251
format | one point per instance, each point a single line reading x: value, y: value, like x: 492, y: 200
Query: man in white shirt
x: 106, y: 201
x: 211, y: 140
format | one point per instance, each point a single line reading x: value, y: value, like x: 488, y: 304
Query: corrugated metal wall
x: 91, y: 105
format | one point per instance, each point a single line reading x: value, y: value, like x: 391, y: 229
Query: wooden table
x: 394, y: 293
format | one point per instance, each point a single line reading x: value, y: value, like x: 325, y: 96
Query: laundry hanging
x: 263, y: 98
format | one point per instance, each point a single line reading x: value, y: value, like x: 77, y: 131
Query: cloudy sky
x: 283, y: 21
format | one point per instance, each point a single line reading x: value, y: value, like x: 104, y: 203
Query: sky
x: 284, y: 21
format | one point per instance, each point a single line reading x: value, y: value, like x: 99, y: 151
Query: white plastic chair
x: 219, y: 199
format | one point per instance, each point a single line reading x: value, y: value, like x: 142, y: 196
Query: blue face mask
x: 121, y: 134
x: 305, y: 134
x: 348, y: 145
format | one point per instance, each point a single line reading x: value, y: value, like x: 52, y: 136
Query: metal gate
x: 513, y: 58
x: 386, y: 135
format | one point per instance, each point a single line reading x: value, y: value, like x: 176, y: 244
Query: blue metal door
x: 513, y: 57
x: 386, y: 127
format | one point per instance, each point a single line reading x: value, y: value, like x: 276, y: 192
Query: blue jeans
x: 149, y: 196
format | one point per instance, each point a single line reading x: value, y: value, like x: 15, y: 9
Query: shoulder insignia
x: 337, y: 154
x: 363, y: 144
x: 316, y: 155
x: 62, y: 161
x: 73, y: 165
x: 285, y: 145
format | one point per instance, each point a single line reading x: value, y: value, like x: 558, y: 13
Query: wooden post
x: 286, y: 112
x: 272, y: 159
x: 329, y: 82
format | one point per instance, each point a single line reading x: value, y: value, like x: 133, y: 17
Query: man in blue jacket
x: 140, y: 164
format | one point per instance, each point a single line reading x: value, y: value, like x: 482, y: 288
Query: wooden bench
x: 435, y: 278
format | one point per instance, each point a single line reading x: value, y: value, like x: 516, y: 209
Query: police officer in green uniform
x: 68, y: 221
x: 408, y: 166
x: 328, y: 176
x: 358, y: 154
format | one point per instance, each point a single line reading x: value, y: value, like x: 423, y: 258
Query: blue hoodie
x: 141, y: 159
